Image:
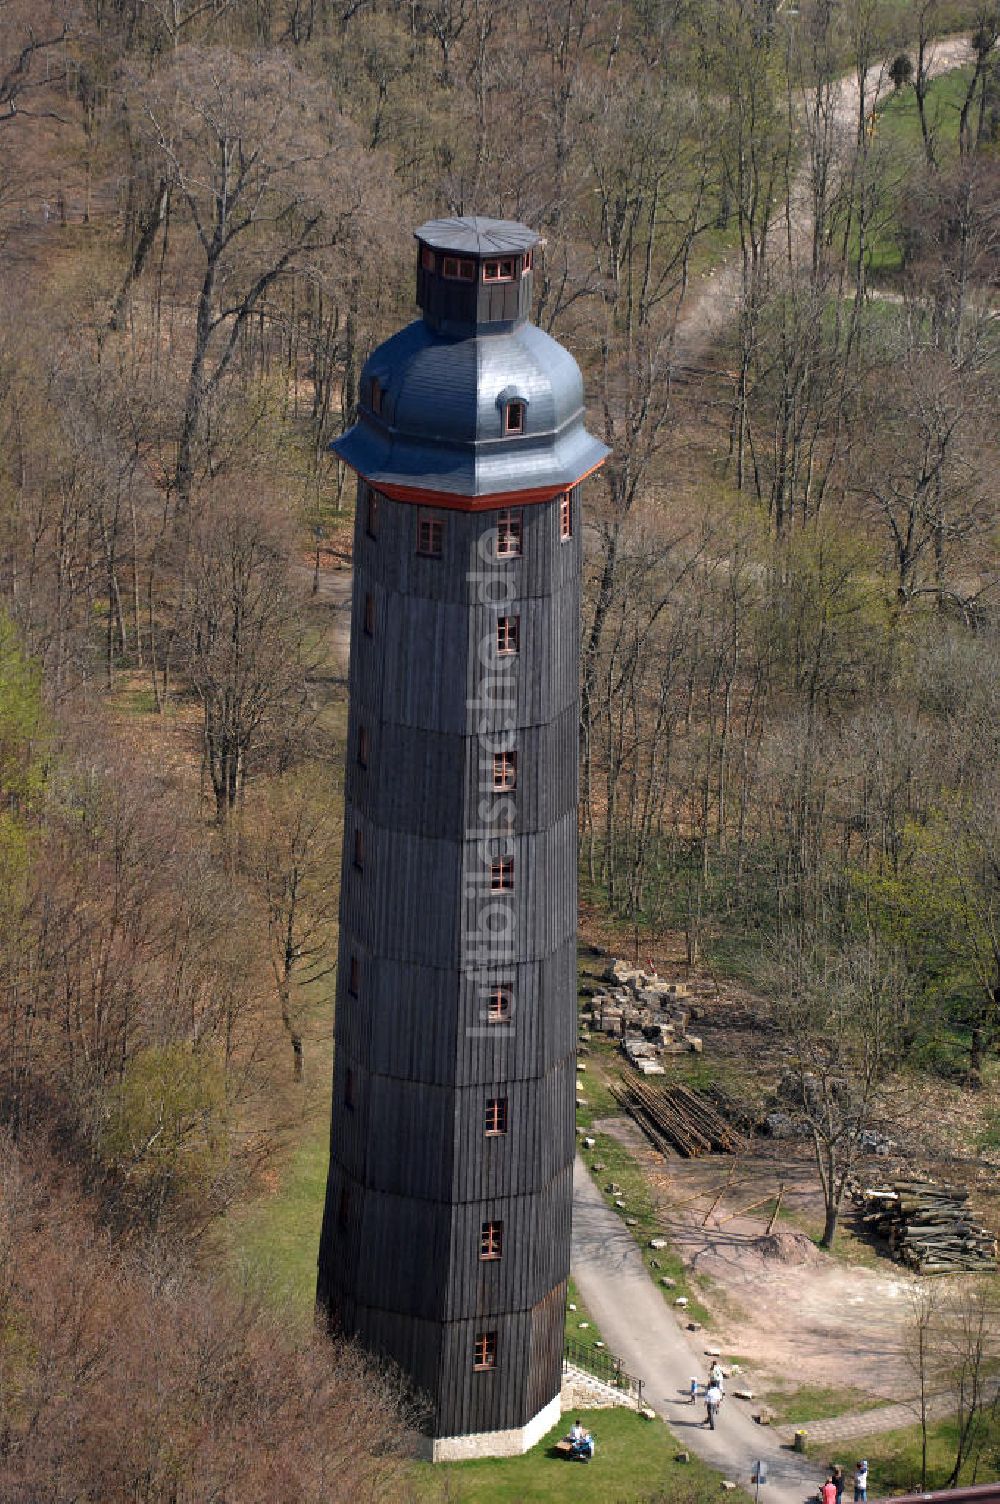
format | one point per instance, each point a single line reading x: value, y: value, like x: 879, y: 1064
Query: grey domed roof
x: 442, y: 428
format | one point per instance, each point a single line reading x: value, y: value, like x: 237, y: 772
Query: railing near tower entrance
x: 603, y: 1366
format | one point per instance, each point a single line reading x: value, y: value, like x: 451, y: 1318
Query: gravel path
x: 640, y: 1328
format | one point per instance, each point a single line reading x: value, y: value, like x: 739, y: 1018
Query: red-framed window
x: 495, y: 1119
x: 427, y: 259
x: 349, y: 1088
x: 502, y: 875
x: 566, y: 515
x: 504, y: 771
x: 353, y: 976
x: 508, y: 634
x: 376, y: 396
x: 503, y: 269
x: 513, y: 417
x: 509, y: 534
x: 498, y: 1005
x: 359, y: 850
x: 459, y: 269
x: 491, y: 1241
x: 369, y: 616
x: 371, y: 515
x: 430, y: 535
x: 526, y: 263
x: 364, y: 746
x: 484, y: 1351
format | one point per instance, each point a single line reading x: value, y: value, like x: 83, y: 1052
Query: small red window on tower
x: 499, y: 271
x: 526, y: 263
x: 359, y: 850
x: 430, y: 536
x: 498, y: 1005
x: 427, y: 258
x: 484, y: 1352
x: 353, y: 976
x: 508, y: 634
x: 514, y: 417
x: 566, y: 515
x: 509, y: 535
x: 495, y: 1121
x: 504, y: 771
x: 458, y: 269
x: 363, y: 746
x: 371, y: 515
x: 502, y: 875
x: 491, y: 1241
x: 369, y: 616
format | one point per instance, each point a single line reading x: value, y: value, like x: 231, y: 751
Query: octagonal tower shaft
x: 446, y: 1231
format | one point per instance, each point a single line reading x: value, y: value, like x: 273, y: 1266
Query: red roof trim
x: 417, y: 496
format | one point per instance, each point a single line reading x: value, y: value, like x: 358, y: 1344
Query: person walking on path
x: 861, y: 1483
x: 717, y: 1377
x: 694, y: 1390
x: 713, y: 1399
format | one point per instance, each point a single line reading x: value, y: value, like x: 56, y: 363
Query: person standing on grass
x: 838, y: 1482
x: 861, y: 1483
x: 713, y: 1399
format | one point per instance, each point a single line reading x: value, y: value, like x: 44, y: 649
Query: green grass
x: 899, y: 119
x: 634, y: 1461
x: 591, y: 1332
x: 812, y: 1402
x: 273, y: 1240
x: 899, y: 128
x: 894, y: 1459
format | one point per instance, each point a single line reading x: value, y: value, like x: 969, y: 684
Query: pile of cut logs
x: 928, y: 1226
x: 676, y: 1117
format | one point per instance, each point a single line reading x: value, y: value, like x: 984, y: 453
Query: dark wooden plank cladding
x: 413, y: 1173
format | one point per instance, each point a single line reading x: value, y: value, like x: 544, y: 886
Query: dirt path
x: 798, y: 1315
x: 711, y: 309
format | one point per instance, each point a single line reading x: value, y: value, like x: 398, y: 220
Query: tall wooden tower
x: 446, y: 1233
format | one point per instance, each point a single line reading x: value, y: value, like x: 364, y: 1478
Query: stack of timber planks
x: 676, y: 1117
x: 928, y: 1226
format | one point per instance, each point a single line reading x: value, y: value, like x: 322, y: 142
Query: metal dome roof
x: 442, y: 427
x: 472, y: 235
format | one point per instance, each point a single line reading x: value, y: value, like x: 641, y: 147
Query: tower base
x: 511, y: 1443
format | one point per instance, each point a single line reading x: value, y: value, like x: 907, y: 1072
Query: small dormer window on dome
x: 513, y: 416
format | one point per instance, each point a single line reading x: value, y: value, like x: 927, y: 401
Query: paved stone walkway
x: 868, y: 1422
x: 639, y: 1327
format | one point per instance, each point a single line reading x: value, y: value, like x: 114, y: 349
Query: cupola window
x: 502, y: 270
x: 526, y: 263
x: 459, y: 269
x: 427, y: 260
x: 514, y: 417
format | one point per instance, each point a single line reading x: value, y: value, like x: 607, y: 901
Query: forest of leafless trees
x: 772, y: 241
